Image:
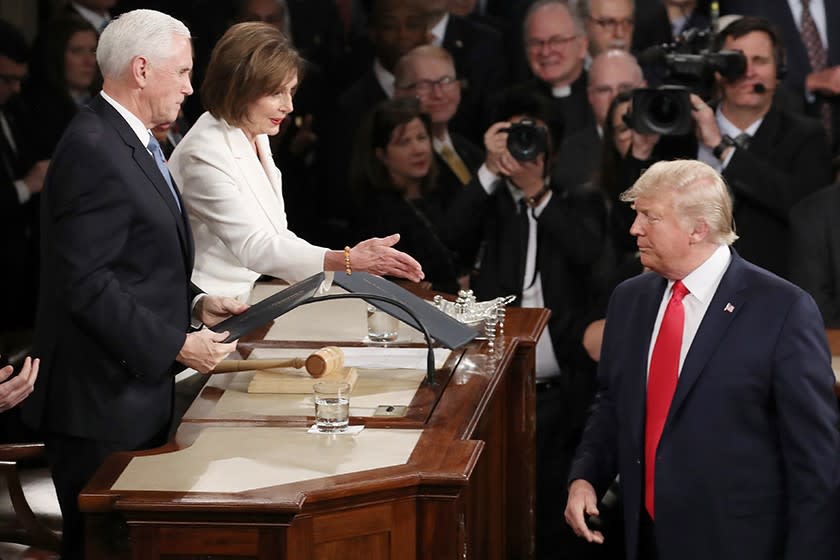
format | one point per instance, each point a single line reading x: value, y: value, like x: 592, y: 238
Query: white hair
x: 137, y: 33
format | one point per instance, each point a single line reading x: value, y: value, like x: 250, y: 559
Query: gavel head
x: 325, y: 361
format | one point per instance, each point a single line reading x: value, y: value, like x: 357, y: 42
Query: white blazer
x: 234, y: 201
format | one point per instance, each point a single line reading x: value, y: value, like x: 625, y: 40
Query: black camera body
x: 689, y: 66
x: 526, y: 140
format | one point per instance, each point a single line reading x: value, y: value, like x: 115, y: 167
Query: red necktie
x: 662, y: 382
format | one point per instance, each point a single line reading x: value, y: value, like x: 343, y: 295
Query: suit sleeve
x: 811, y: 265
x: 91, y: 219
x: 808, y: 419
x: 213, y: 193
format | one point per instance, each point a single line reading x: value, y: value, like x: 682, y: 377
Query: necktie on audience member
x: 817, y: 56
x: 456, y: 164
x: 662, y: 382
x: 743, y: 141
x: 157, y: 154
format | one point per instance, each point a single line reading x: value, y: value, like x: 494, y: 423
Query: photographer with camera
x: 542, y: 242
x: 770, y: 158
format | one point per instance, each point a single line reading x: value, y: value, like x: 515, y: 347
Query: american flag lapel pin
x: 729, y: 308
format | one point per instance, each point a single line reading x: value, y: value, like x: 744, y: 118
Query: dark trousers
x: 73, y: 462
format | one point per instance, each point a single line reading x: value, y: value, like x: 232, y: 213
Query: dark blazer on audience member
x: 796, y: 57
x: 480, y: 63
x: 115, y: 294
x: 579, y: 157
x: 570, y: 239
x: 815, y: 250
x: 787, y: 160
x: 747, y: 466
x: 448, y: 184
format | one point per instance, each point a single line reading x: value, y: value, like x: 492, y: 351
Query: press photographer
x: 770, y: 157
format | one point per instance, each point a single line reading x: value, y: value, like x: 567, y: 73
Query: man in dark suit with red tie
x: 716, y: 405
x: 116, y: 302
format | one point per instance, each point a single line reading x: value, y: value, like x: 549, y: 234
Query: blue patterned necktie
x: 157, y: 153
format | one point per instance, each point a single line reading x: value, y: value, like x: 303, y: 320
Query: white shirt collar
x: 97, y: 21
x: 703, y: 281
x: 439, y: 30
x: 143, y: 133
x: 447, y: 141
x: 561, y: 91
x: 385, y: 78
x: 726, y: 126
x: 518, y: 195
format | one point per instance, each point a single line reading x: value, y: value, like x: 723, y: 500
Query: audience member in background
x: 395, y: 27
x: 428, y: 73
x: 231, y: 187
x: 64, y: 77
x: 815, y: 251
x: 769, y: 157
x: 810, y: 32
x: 469, y: 9
x: 542, y: 242
x: 663, y: 22
x: 609, y: 24
x: 556, y: 47
x: 394, y: 176
x: 480, y: 62
x: 21, y: 179
x: 612, y: 72
x: 96, y: 12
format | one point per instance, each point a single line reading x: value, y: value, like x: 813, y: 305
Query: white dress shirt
x: 704, y: 153
x: 702, y: 283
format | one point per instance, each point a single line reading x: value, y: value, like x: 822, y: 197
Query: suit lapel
x: 643, y: 330
x: 256, y: 175
x: 727, y: 302
x: 147, y: 164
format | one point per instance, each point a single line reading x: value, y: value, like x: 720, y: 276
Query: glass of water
x: 332, y: 406
x: 381, y: 327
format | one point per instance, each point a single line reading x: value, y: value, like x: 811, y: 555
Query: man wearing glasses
x: 609, y: 24
x: 556, y: 48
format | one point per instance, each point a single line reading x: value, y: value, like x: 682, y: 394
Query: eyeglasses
x: 425, y: 87
x: 555, y: 43
x: 612, y: 25
x: 605, y: 89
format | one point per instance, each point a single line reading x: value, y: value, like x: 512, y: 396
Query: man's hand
x: 19, y: 387
x: 204, y: 349
x: 212, y: 310
x: 378, y: 256
x: 34, y: 180
x: 498, y: 159
x: 582, y: 502
x: 706, y: 126
x: 825, y: 82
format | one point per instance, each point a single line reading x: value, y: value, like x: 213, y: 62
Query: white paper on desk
x: 366, y: 357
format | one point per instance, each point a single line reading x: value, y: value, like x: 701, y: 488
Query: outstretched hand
x: 378, y: 256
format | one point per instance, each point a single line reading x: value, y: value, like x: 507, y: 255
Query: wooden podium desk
x: 464, y: 489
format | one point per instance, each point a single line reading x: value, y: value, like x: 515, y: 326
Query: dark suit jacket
x: 570, y: 237
x: 480, y: 64
x: 579, y: 157
x: 787, y: 160
x: 448, y: 184
x: 749, y: 458
x: 798, y: 67
x: 115, y: 294
x: 815, y: 250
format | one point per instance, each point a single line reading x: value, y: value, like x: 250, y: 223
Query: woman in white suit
x: 231, y: 187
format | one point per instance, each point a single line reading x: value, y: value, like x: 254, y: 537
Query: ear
x: 140, y: 70
x: 700, y: 231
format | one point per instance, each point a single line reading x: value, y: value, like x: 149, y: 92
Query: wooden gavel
x: 325, y: 361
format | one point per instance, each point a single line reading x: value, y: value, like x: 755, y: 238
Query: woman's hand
x: 378, y: 256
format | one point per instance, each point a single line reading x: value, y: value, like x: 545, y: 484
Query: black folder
x: 270, y: 308
x: 445, y: 329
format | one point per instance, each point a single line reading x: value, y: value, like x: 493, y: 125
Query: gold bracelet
x: 347, y: 267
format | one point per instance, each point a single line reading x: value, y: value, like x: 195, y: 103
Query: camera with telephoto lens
x: 526, y: 140
x: 689, y: 66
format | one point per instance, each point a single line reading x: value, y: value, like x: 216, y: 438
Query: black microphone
x: 760, y: 88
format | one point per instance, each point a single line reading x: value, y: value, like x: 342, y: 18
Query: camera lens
x: 526, y: 141
x: 664, y: 110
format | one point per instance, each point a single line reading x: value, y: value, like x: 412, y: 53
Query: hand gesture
x: 378, y: 256
x: 14, y: 390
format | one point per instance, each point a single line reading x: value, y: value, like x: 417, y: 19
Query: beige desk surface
x: 231, y: 459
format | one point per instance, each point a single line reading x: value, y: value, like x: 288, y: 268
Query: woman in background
x: 231, y: 187
x: 394, y: 177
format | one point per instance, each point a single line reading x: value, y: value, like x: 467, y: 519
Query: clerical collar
x: 561, y: 91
